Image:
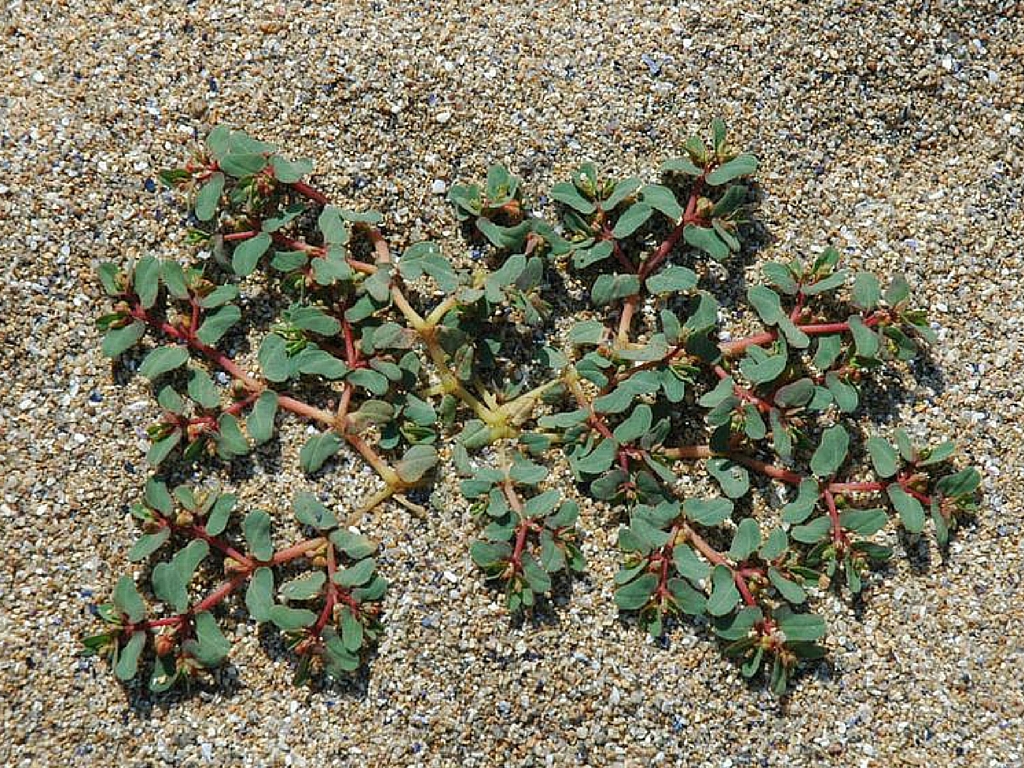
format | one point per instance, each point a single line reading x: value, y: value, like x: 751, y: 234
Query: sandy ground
x: 893, y: 131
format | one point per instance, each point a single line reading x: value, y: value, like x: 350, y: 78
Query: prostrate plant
x: 387, y: 368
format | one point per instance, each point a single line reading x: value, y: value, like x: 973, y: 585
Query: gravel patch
x: 892, y: 132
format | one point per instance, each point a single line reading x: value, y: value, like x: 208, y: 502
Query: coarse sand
x: 890, y: 130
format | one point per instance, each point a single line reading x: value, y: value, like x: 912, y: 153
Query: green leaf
x: 542, y: 504
x: 174, y: 278
x: 243, y: 163
x: 608, y: 288
x: 416, y: 462
x: 813, y: 531
x: 170, y: 580
x: 208, y: 197
x: 314, y: 319
x: 108, y: 273
x: 274, y: 360
x: 833, y: 281
x: 146, y: 281
x: 260, y: 423
x: 961, y: 484
x: 317, y: 450
x: 781, y: 277
x: 118, y: 340
x: 689, y: 600
x: 883, y: 457
x: 333, y: 227
x: 775, y: 545
x: 801, y: 508
x: 739, y: 625
x: 217, y: 324
x: 230, y: 440
x: 327, y: 270
x: 290, y: 619
x: 501, y: 184
x: 753, y: 664
x: 741, y: 165
x: 165, y: 673
x: 488, y: 555
x: 525, y: 471
x: 898, y: 291
x: 354, y: 545
x: 598, y: 460
x: 290, y: 172
x: 356, y: 575
x: 831, y: 452
x: 317, y: 362
x: 766, y: 303
x: 585, y: 257
x: 765, y: 371
x: 718, y: 132
x: 672, y: 279
x: 211, y: 647
x: 160, y: 449
x: 148, y: 544
x: 937, y: 455
x: 426, y: 258
x: 637, y: 425
x: 567, y: 194
x: 220, y: 513
x: 163, y: 359
x: 707, y: 240
x: 866, y: 291
x: 865, y: 340
x: 733, y: 198
x: 724, y: 594
x: 800, y: 627
x: 681, y: 165
x: 620, y: 192
x: 662, y: 199
x: 128, y: 600
x: 637, y: 593
x: 708, y: 511
x: 746, y: 539
x: 157, y: 497
x: 309, y: 511
x: 863, y: 521
x: 552, y: 558
x: 688, y: 564
x: 351, y: 630
x: 829, y: 348
x: 256, y: 528
x: 536, y: 576
x: 304, y: 587
x: 128, y: 657
x: 202, y: 389
x: 734, y: 479
x: 910, y: 510
x: 247, y: 254
x: 370, y: 380
x: 219, y: 296
x: 790, y: 590
x: 795, y: 394
x: 845, y: 395
x: 632, y: 219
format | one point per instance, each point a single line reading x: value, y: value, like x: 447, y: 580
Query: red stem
x: 743, y: 393
x: 198, y: 532
x: 307, y: 191
x: 737, y: 347
x: 833, y: 513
